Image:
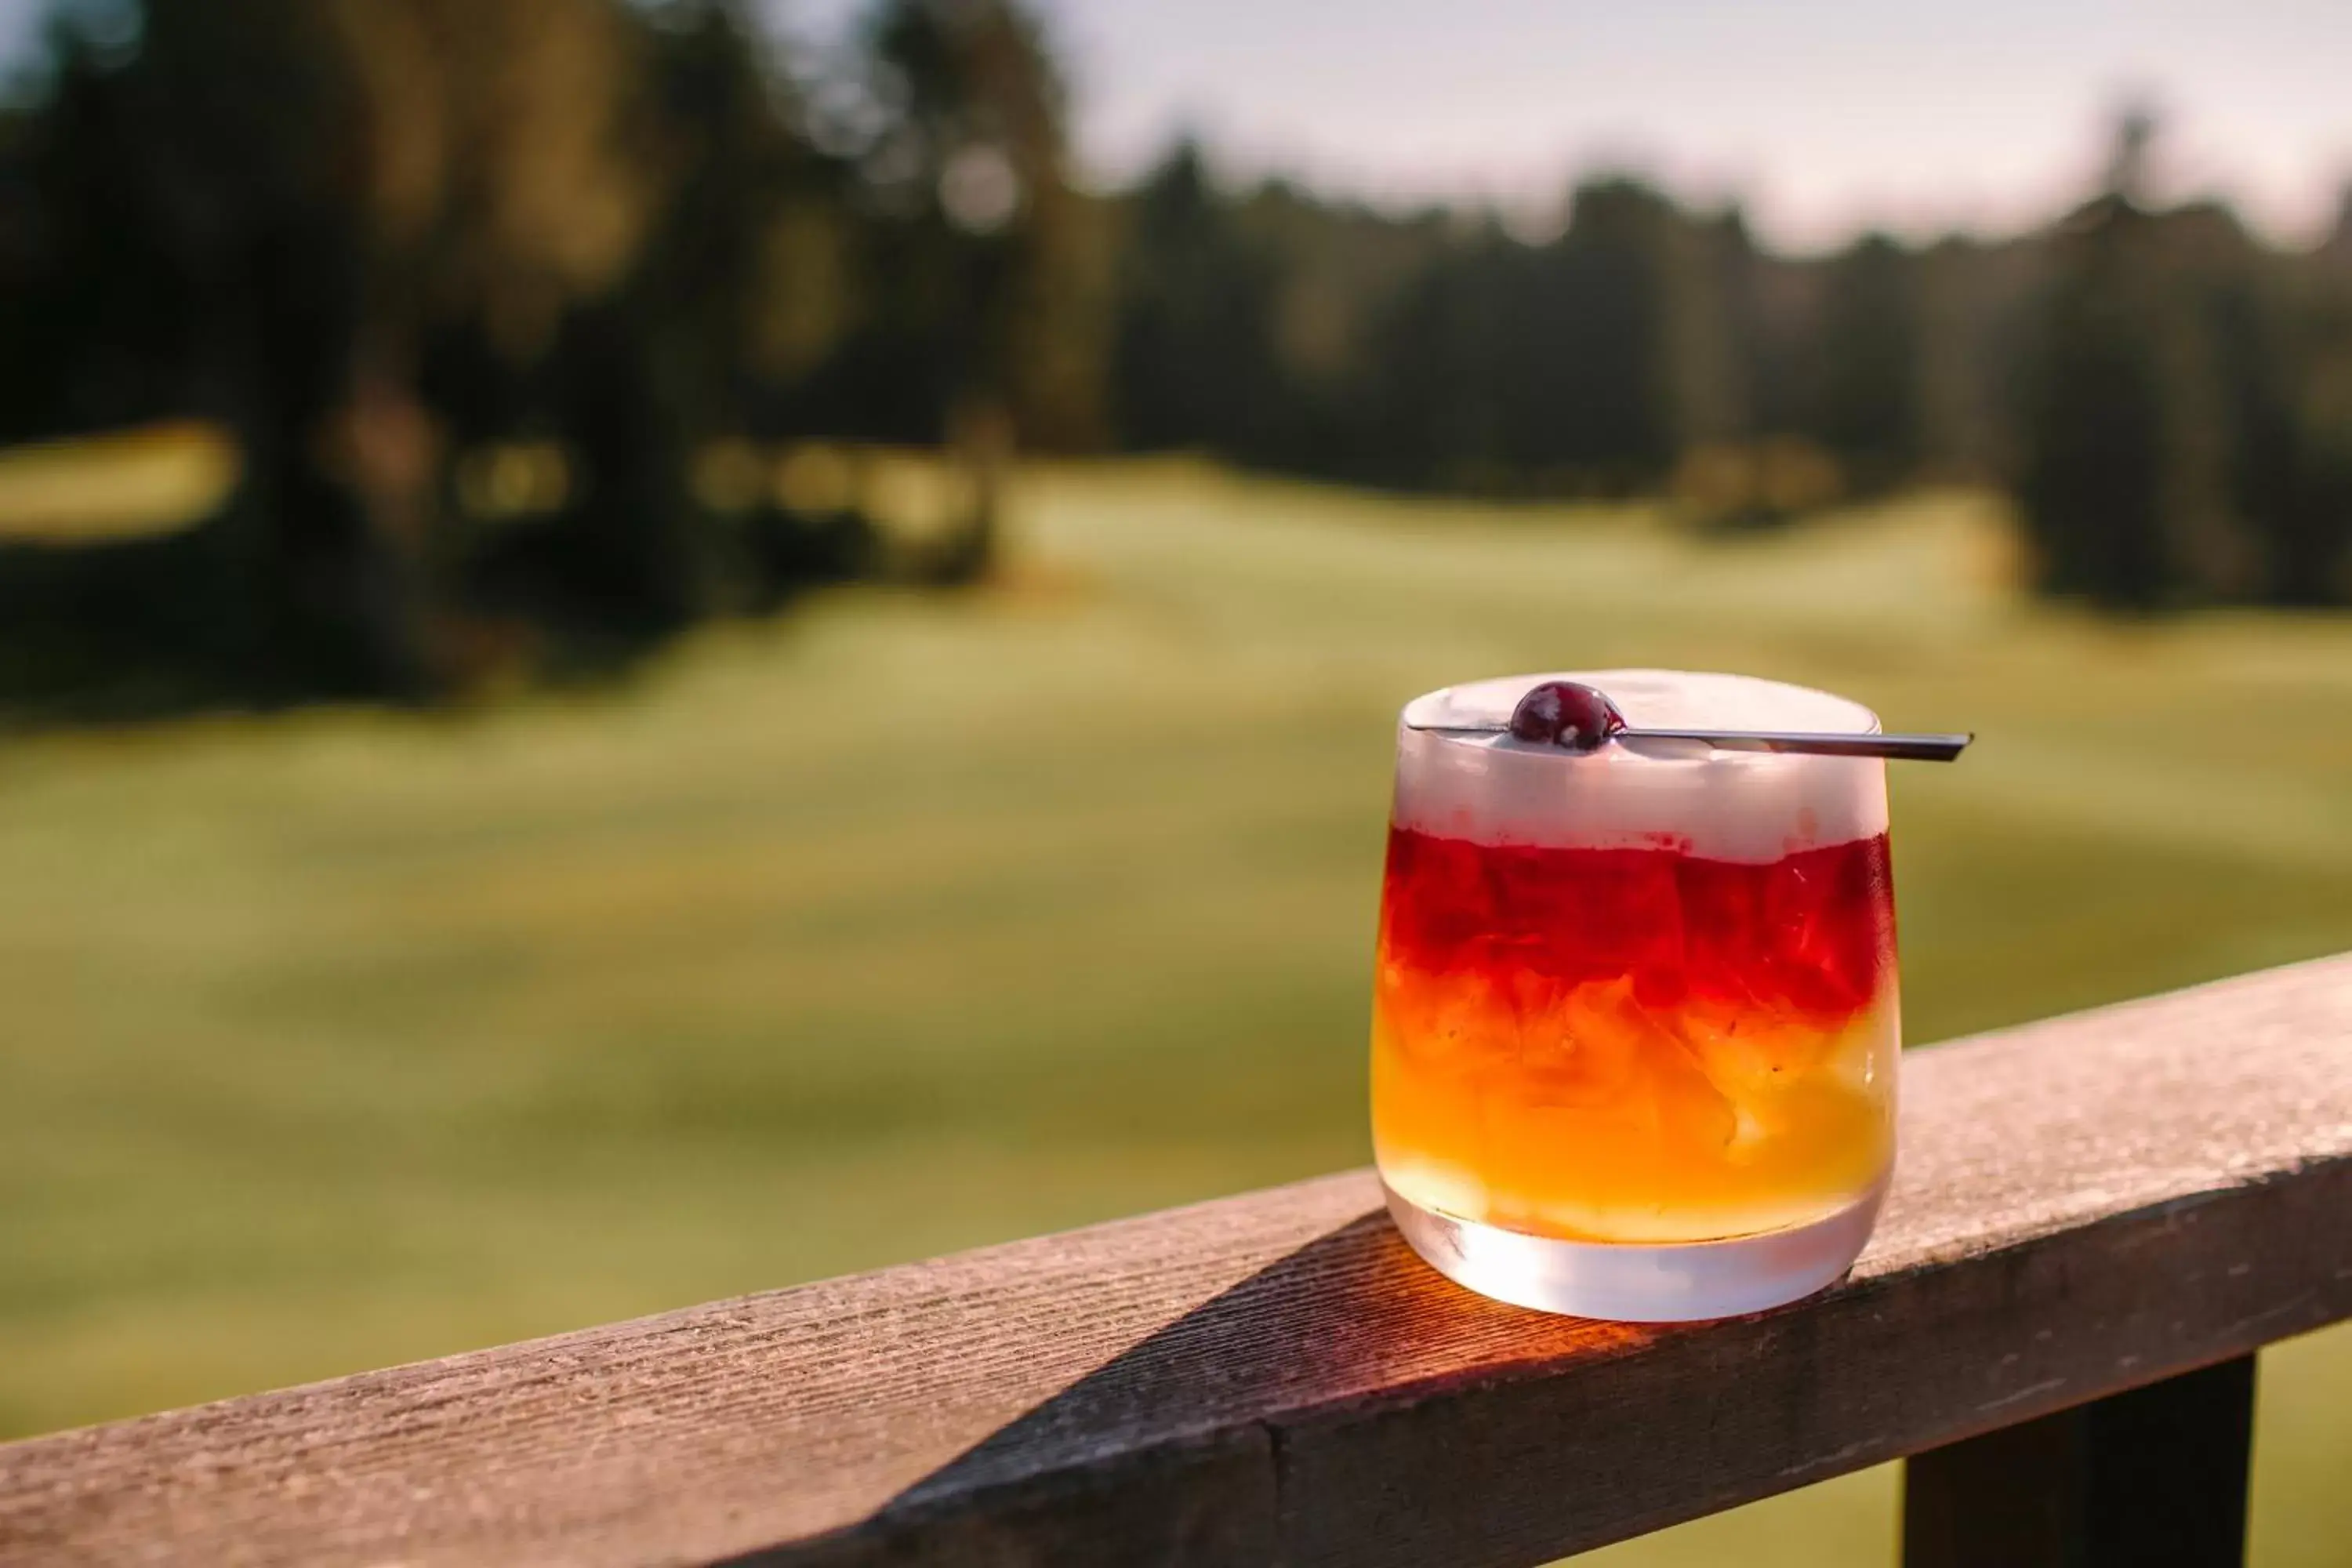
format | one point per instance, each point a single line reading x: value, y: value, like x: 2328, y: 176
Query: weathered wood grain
x: 2082, y: 1206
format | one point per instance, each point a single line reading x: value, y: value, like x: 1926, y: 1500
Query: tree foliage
x: 373, y: 237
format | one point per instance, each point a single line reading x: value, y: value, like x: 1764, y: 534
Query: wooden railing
x: 2096, y: 1223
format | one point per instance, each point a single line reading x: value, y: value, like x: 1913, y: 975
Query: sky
x: 1822, y: 117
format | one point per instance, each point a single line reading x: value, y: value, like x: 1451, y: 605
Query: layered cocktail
x: 1634, y: 1020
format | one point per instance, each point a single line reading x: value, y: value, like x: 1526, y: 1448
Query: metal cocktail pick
x: 1578, y: 719
x: 1914, y: 748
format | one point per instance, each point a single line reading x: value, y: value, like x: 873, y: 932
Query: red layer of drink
x: 1633, y: 1044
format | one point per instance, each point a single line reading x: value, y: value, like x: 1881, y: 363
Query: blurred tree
x: 366, y: 233
x: 2312, y: 544
x: 2167, y: 459
x: 985, y: 274
x: 2092, y: 486
x: 1194, y: 357
x: 1591, y: 383
x: 1442, y: 352
x: 1870, y: 364
x: 1772, y: 307
x: 1974, y: 320
x: 599, y: 253
x: 1585, y: 364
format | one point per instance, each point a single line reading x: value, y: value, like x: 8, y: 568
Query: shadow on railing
x: 1354, y: 1307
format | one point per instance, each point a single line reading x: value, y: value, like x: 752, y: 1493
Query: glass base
x: 1672, y: 1283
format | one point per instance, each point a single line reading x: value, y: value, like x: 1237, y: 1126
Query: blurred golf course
x: 908, y: 923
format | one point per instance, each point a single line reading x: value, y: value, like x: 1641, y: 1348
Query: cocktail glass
x: 1634, y: 1025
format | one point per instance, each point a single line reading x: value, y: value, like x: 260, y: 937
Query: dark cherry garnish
x: 1564, y: 714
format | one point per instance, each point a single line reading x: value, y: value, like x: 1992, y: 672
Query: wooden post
x: 2155, y: 1478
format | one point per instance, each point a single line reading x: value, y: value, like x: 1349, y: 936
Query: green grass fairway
x: 905, y: 923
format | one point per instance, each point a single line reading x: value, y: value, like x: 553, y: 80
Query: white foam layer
x: 1723, y: 805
